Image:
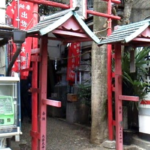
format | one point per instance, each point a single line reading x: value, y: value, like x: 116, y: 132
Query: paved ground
x: 62, y: 136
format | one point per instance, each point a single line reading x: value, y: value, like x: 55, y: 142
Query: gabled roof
x: 54, y: 21
x: 127, y: 33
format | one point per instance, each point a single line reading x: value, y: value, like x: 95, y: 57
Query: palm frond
x: 132, y: 81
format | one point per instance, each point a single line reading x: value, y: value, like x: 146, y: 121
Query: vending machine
x: 10, y: 114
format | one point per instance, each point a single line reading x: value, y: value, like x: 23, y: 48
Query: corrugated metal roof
x: 54, y: 21
x: 126, y: 33
x: 50, y: 20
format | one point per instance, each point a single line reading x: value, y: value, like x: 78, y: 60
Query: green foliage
x: 84, y: 93
x: 132, y: 84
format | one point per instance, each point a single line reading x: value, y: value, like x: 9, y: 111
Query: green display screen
x: 6, y: 110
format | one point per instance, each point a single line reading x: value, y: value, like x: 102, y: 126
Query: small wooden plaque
x: 72, y: 97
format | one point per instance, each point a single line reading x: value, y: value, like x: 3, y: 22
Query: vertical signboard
x: 26, y: 22
x: 73, y: 60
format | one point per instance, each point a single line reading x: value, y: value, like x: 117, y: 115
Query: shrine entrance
x: 132, y: 35
x: 66, y: 26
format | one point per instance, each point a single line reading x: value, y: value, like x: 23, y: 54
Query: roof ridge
x: 60, y: 13
x: 135, y: 23
x: 127, y: 33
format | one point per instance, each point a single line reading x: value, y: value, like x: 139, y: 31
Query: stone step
x: 133, y: 147
x: 142, y: 143
x: 110, y: 145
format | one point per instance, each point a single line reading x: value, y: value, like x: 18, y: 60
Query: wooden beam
x: 53, y: 103
x: 142, y: 39
x: 114, y: 1
x: 129, y: 98
x: 95, y: 13
x: 69, y: 33
x: 49, y: 3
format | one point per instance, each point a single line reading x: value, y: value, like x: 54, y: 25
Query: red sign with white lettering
x: 73, y: 60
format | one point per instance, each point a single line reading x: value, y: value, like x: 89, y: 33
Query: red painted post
x: 43, y: 94
x: 114, y: 1
x: 118, y: 102
x: 109, y: 75
x: 103, y: 15
x: 71, y: 3
x: 34, y: 128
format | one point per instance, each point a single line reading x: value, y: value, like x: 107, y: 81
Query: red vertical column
x: 118, y: 103
x: 109, y: 75
x: 43, y: 93
x: 71, y: 3
x: 34, y: 128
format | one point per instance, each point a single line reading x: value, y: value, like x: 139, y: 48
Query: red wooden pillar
x: 43, y: 93
x: 34, y: 127
x: 109, y: 75
x: 118, y: 102
x: 71, y: 3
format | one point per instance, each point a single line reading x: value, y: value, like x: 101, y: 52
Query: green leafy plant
x: 132, y: 84
x: 84, y: 93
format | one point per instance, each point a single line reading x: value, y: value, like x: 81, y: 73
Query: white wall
x: 2, y: 11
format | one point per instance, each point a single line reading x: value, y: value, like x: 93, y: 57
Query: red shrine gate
x: 38, y: 131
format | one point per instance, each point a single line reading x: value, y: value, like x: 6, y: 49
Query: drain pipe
x: 18, y: 38
x: 8, y: 72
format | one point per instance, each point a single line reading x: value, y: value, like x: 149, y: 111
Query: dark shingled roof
x: 49, y: 20
x: 54, y: 21
x: 126, y: 33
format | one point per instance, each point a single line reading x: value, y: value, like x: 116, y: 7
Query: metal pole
x: 18, y: 14
x: 19, y: 66
x: 109, y: 75
x: 118, y: 102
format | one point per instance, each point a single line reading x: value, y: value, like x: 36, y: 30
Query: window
x: 90, y: 3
